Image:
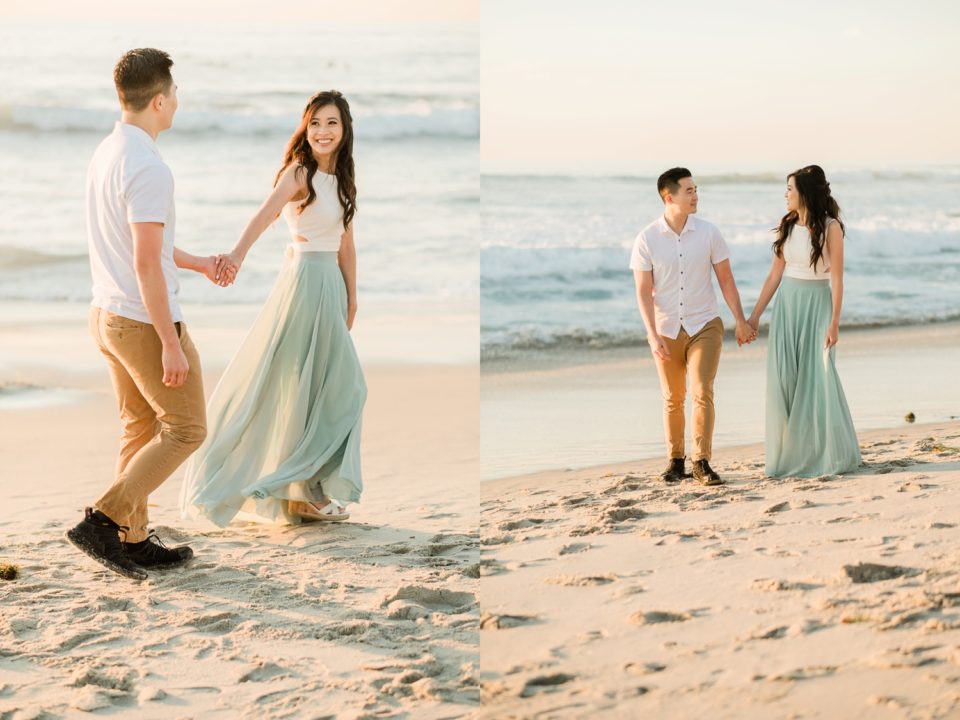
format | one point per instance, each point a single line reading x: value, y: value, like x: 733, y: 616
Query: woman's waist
x: 806, y: 280
x: 316, y: 245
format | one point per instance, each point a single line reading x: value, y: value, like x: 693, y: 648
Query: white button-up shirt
x: 682, y: 266
x: 128, y: 182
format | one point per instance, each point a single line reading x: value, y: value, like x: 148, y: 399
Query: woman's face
x: 325, y: 131
x: 792, y: 196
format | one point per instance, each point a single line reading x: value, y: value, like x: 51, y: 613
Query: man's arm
x: 147, y: 244
x: 644, y: 283
x: 731, y: 295
x: 203, y: 265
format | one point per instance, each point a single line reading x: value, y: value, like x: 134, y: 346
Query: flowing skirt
x: 809, y: 429
x: 284, y: 421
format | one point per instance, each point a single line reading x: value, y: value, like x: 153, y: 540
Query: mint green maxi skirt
x: 809, y: 428
x: 284, y: 420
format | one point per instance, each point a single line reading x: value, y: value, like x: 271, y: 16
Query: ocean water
x: 554, y: 275
x: 415, y: 99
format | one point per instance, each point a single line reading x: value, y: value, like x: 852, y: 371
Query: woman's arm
x: 770, y: 286
x: 288, y: 187
x: 835, y: 250
x: 347, y: 259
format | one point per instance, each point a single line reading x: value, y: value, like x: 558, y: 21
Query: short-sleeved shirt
x: 682, y: 266
x: 128, y: 182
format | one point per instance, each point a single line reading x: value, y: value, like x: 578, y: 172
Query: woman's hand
x: 833, y: 335
x: 227, y: 268
x: 351, y: 314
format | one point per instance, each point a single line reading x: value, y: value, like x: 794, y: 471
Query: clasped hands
x: 221, y: 269
x: 747, y: 331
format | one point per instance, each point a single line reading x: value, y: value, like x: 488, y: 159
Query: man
x: 671, y: 261
x: 135, y: 318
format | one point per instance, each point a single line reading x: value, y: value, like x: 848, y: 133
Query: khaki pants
x: 161, y: 425
x: 698, y: 356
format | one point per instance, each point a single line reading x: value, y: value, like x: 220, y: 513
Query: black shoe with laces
x: 705, y: 474
x: 98, y: 536
x: 674, y: 472
x: 152, y: 553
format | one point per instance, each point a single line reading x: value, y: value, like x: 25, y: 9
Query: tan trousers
x: 161, y: 425
x: 698, y: 357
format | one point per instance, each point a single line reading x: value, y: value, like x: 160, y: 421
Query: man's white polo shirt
x: 682, y: 268
x: 128, y: 182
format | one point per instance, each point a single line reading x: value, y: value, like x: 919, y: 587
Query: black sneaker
x: 97, y: 536
x: 674, y: 472
x: 705, y: 474
x: 152, y: 553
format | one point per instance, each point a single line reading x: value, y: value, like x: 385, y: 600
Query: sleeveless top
x: 321, y: 222
x: 796, y: 254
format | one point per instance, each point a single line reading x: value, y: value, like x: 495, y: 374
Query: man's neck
x: 140, y: 121
x: 676, y: 219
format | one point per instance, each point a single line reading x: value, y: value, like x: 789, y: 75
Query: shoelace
x: 153, y: 548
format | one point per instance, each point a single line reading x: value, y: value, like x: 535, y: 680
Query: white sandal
x: 332, y: 511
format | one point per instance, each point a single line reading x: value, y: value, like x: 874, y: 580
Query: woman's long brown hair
x: 815, y: 198
x: 298, y: 151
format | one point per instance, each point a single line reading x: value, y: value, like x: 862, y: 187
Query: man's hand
x: 746, y: 333
x: 208, y: 267
x: 228, y: 266
x: 658, y: 347
x: 175, y: 365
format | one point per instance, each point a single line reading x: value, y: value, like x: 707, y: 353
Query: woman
x: 284, y: 422
x: 809, y: 428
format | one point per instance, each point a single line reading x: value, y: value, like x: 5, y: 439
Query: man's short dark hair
x: 140, y: 75
x: 669, y: 182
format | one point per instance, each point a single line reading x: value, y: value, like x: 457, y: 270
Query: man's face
x: 685, y: 198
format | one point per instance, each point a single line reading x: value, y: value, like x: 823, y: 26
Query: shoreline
x: 577, y: 416
x: 386, y: 335
x: 545, y: 359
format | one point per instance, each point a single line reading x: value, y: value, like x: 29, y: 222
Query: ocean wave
x: 416, y: 120
x: 14, y: 258
x: 514, y: 344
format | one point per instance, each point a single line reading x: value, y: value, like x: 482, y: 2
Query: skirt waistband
x: 313, y: 247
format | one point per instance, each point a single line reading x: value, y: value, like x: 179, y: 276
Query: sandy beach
x: 376, y: 617
x: 608, y: 594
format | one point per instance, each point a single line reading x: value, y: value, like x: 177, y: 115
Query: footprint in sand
x: 440, y: 600
x: 873, y: 572
x: 574, y: 548
x: 581, y: 580
x: 647, y: 668
x: 262, y: 672
x: 521, y: 524
x: 220, y: 623
x: 491, y: 621
x: 767, y: 585
x: 658, y: 616
x: 806, y: 673
x: 542, y: 683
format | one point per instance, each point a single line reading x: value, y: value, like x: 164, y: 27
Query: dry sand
x: 376, y: 617
x: 608, y: 594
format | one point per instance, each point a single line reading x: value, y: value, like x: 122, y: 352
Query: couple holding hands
x: 280, y: 436
x: 809, y: 430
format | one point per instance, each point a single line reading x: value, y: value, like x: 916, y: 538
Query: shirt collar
x: 689, y: 227
x: 135, y: 133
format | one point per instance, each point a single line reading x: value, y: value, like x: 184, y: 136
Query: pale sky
x: 228, y: 11
x: 738, y: 85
